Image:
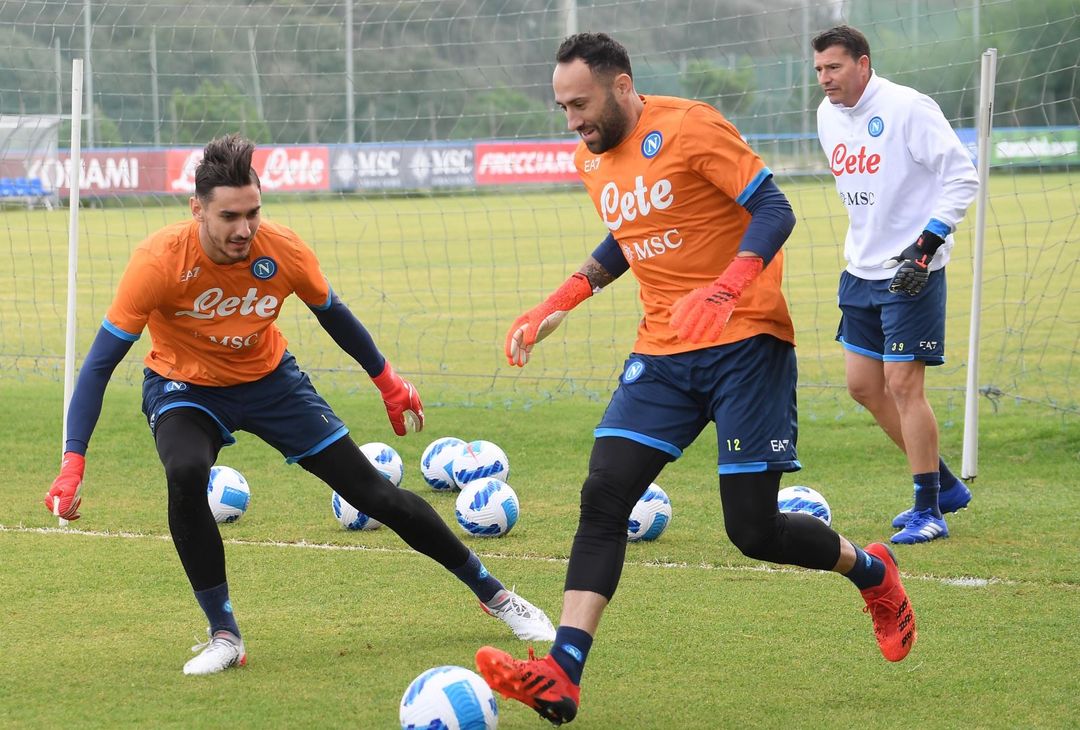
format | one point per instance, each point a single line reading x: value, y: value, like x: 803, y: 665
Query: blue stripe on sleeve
x: 325, y: 305
x: 753, y: 186
x: 115, y: 331
x: 938, y: 228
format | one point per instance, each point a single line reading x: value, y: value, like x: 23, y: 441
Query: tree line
x: 468, y: 69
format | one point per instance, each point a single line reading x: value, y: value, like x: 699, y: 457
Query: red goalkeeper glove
x: 63, y: 498
x: 541, y: 320
x: 402, y: 402
x: 914, y: 264
x: 701, y: 315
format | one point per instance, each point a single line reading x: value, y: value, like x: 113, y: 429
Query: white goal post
x: 987, y: 76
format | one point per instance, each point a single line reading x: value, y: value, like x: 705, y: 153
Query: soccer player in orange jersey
x: 694, y: 214
x: 209, y: 290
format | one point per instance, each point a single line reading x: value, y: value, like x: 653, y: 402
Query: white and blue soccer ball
x: 436, y: 463
x: 487, y: 508
x: 351, y: 518
x: 448, y: 698
x: 384, y: 458
x: 388, y: 463
x: 804, y: 500
x: 479, y: 460
x: 650, y: 516
x: 228, y: 493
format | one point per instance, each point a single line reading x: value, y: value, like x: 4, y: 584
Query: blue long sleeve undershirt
x: 105, y: 354
x: 350, y: 334
x: 771, y: 222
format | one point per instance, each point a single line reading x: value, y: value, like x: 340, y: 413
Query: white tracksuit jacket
x: 897, y: 164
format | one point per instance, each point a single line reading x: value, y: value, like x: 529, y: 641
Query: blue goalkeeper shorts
x: 893, y: 327
x: 282, y: 408
x: 747, y: 388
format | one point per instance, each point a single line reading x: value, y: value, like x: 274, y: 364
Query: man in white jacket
x: 906, y: 181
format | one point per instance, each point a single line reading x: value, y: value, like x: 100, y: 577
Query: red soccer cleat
x: 890, y: 609
x: 539, y: 683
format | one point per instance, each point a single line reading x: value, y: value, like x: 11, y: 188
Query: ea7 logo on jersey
x: 617, y: 207
x: 213, y: 303
x: 780, y: 445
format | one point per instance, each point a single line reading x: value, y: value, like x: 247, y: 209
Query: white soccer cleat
x: 218, y: 653
x: 527, y: 621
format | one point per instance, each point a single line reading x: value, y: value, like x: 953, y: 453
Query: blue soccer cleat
x: 953, y: 499
x: 921, y: 527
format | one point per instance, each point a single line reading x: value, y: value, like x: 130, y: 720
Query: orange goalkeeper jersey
x: 671, y: 195
x: 213, y: 324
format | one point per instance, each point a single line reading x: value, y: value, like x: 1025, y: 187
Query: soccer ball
x: 388, y: 462
x: 384, y: 458
x: 350, y: 517
x: 435, y: 463
x: 650, y: 516
x: 448, y: 697
x: 487, y: 508
x: 805, y: 500
x: 228, y: 493
x: 479, y: 460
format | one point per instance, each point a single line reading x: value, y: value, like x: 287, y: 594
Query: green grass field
x: 438, y: 279
x: 96, y: 620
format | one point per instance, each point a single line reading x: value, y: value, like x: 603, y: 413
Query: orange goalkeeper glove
x: 541, y: 320
x: 63, y: 498
x: 701, y: 315
x: 402, y: 402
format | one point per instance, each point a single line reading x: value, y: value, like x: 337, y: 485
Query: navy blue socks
x: 947, y: 479
x: 868, y: 571
x: 218, y: 609
x: 927, y: 488
x: 475, y: 575
x: 570, y: 650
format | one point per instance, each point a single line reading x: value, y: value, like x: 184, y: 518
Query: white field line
x: 959, y: 581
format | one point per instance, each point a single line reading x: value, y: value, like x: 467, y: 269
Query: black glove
x: 914, y: 264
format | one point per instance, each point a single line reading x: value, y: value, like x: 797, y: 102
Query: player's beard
x: 226, y: 248
x: 612, y: 127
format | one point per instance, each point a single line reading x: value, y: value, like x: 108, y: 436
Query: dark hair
x: 226, y: 161
x: 853, y: 41
x: 600, y: 52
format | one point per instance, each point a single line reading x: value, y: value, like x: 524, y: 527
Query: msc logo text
x: 652, y: 245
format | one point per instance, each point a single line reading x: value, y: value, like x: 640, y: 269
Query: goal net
x: 422, y: 158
